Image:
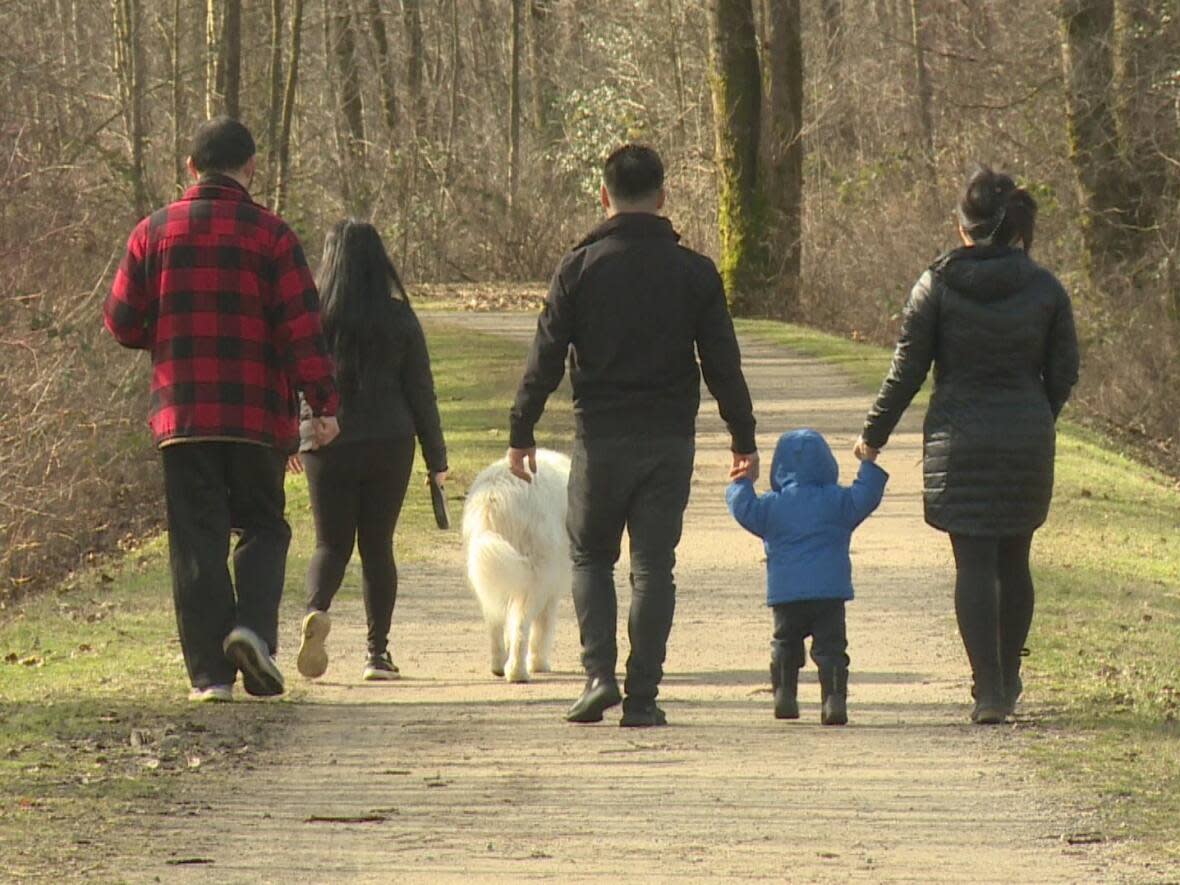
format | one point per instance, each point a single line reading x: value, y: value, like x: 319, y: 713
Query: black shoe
x: 1013, y: 684
x: 381, y: 668
x: 260, y: 676
x: 642, y: 714
x: 600, y: 693
x: 784, y: 677
x: 833, y: 686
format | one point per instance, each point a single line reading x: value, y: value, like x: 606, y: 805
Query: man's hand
x: 295, y: 464
x: 745, y: 466
x: 516, y: 463
x: 865, y: 452
x: 324, y: 430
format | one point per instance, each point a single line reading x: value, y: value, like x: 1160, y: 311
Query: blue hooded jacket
x: 806, y: 520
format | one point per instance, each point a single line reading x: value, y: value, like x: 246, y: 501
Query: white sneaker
x: 313, y: 657
x: 212, y: 694
x: 381, y: 668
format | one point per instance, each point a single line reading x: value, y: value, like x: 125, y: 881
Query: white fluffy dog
x: 518, y: 560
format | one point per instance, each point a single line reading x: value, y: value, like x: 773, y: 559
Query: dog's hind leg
x: 495, y: 624
x: 541, y: 638
x: 516, y: 632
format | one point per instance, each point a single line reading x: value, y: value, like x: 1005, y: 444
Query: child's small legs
x: 786, y: 657
x: 823, y: 620
x: 829, y: 644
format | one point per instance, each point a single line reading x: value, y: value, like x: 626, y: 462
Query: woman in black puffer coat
x: 998, y: 329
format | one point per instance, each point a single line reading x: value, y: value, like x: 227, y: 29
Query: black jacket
x: 633, y: 310
x: 999, y: 330
x: 397, y: 403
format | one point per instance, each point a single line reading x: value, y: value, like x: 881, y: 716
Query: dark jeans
x: 357, y: 490
x: 211, y: 489
x: 994, y: 607
x: 640, y: 484
x: 822, y: 620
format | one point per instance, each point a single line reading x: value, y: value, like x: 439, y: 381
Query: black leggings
x: 356, y: 491
x: 994, y: 606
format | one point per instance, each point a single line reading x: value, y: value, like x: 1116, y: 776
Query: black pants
x: 822, y: 620
x: 357, y: 490
x: 211, y: 489
x: 994, y: 607
x: 640, y: 484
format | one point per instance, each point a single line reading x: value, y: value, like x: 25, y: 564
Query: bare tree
x: 737, y: 107
x: 284, y: 148
x: 923, y: 93
x: 784, y: 152
x: 517, y: 41
x: 230, y: 81
x: 129, y: 69
x: 387, y: 75
x: 275, y: 103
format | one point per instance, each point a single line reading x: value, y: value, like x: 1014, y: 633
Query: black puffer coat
x: 999, y: 330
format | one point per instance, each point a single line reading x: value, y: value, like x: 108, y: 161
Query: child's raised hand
x: 865, y: 452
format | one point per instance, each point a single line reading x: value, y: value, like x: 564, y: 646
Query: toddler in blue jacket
x: 805, y: 522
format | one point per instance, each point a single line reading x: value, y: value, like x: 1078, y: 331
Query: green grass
x: 94, y: 723
x: 1104, y: 678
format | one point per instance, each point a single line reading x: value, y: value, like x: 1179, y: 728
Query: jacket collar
x: 632, y: 226
x: 215, y: 186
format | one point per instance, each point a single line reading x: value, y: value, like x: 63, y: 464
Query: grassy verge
x: 94, y: 725
x: 1104, y: 684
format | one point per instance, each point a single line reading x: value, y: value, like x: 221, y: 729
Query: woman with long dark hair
x: 998, y: 329
x: 357, y: 484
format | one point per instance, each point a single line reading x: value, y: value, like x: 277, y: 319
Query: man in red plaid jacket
x: 217, y: 289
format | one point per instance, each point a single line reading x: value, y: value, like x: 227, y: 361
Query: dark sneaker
x: 600, y: 693
x: 313, y: 657
x: 260, y: 675
x: 642, y: 714
x: 380, y: 668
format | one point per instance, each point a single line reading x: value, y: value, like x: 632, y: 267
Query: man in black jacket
x: 632, y: 309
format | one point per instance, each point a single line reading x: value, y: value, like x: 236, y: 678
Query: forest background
x: 815, y: 148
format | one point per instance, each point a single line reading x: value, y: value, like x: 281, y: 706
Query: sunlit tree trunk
x: 737, y: 101
x: 284, y: 150
x: 783, y: 179
x: 517, y: 41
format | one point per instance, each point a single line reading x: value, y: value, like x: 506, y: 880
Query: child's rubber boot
x: 784, y: 677
x: 833, y: 686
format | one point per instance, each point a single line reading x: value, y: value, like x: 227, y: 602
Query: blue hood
x: 803, y: 457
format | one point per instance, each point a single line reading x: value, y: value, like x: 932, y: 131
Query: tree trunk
x: 129, y: 69
x: 737, y: 98
x: 289, y: 106
x: 384, y: 66
x: 514, y: 101
x: 674, y: 37
x: 276, y: 91
x: 784, y: 152
x: 923, y: 92
x: 540, y: 67
x: 1105, y: 181
x: 415, y: 62
x: 1144, y: 107
x: 178, y: 151
x: 343, y: 53
x: 212, y: 46
x: 231, y: 37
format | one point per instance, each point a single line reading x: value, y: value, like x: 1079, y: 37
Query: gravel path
x: 451, y: 775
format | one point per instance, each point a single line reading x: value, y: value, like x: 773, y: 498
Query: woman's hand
x: 440, y: 478
x: 744, y: 466
x: 865, y: 452
x: 295, y: 464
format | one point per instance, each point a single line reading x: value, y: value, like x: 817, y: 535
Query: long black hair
x: 994, y: 210
x: 358, y: 284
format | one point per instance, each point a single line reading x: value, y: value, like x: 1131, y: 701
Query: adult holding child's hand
x: 999, y: 332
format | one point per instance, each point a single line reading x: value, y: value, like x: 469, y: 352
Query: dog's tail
x: 496, y: 569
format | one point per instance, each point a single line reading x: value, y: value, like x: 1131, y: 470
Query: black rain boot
x: 991, y: 707
x: 784, y: 677
x: 833, y: 684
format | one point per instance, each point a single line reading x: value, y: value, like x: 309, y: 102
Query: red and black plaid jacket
x: 218, y: 289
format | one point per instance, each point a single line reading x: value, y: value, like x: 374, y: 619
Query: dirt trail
x: 451, y: 775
